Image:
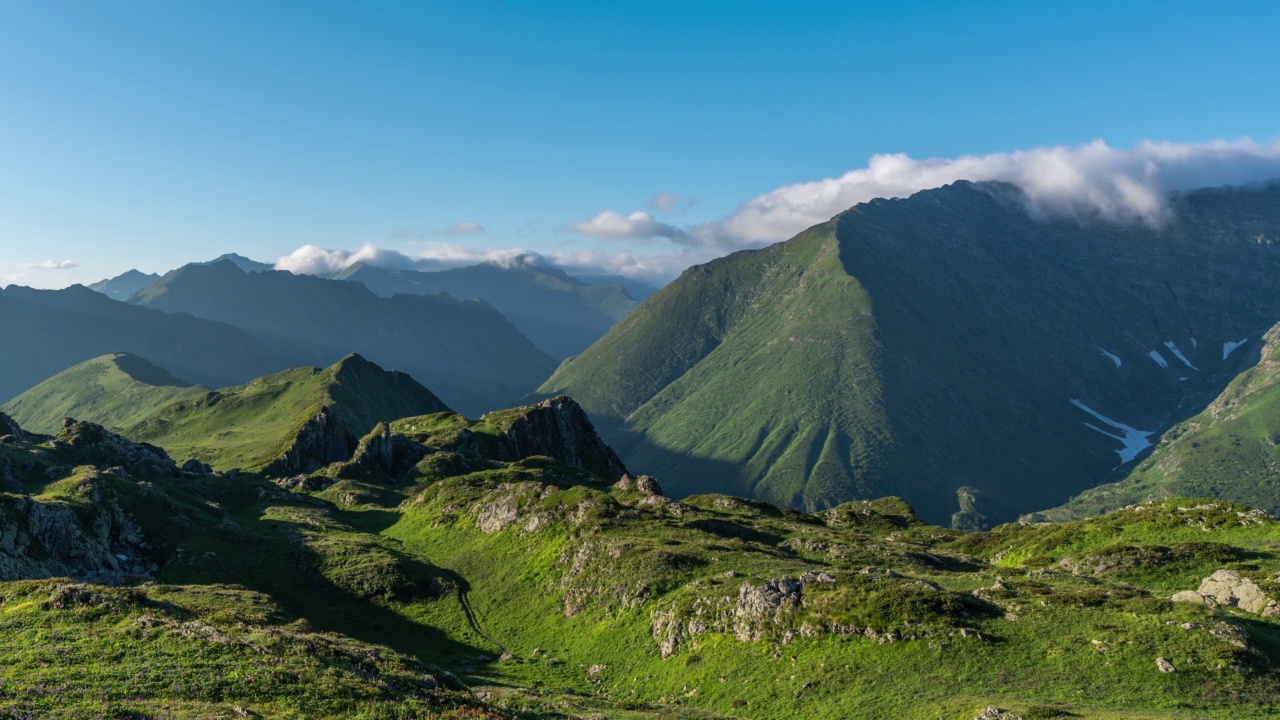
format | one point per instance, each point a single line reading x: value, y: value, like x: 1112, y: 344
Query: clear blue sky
x: 147, y: 134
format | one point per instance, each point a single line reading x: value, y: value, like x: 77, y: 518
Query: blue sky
x: 149, y: 134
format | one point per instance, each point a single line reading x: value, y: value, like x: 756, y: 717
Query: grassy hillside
x: 1230, y: 450
x: 945, y: 341
x: 117, y: 391
x: 551, y: 591
x: 465, y: 350
x: 252, y: 425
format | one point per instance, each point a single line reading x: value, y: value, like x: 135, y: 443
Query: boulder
x: 1165, y: 666
x: 1226, y: 587
x: 1191, y: 596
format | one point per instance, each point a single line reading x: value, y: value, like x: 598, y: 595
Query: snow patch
x: 1114, y: 358
x: 1155, y: 355
x: 1178, y: 354
x: 1134, y: 441
x: 1230, y: 347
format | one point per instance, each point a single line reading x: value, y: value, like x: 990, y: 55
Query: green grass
x: 116, y: 391
x: 342, y: 601
x: 251, y: 425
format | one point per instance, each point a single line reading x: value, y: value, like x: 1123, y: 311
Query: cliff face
x: 559, y: 428
x: 322, y: 440
x: 63, y: 513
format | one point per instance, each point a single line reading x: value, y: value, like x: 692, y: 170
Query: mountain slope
x: 560, y: 314
x: 122, y: 286
x: 1230, y: 450
x: 116, y: 391
x: 48, y: 331
x: 947, y: 340
x: 467, y: 351
x: 288, y: 422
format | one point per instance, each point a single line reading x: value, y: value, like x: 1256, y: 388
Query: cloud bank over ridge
x: 1093, y: 180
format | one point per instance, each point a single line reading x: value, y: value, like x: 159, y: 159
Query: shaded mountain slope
x: 942, y: 341
x: 1231, y: 449
x: 48, y: 331
x: 122, y: 286
x: 560, y: 314
x: 467, y: 351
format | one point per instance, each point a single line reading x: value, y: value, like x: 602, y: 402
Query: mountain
x: 122, y: 286
x: 116, y: 390
x: 513, y: 551
x: 920, y: 346
x: 47, y: 331
x: 465, y: 350
x: 1231, y: 449
x: 560, y: 314
x: 242, y: 262
x: 284, y: 423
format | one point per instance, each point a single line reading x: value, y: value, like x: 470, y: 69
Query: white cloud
x: 639, y: 225
x: 1093, y: 180
x: 313, y: 260
x: 52, y: 265
x: 1088, y: 180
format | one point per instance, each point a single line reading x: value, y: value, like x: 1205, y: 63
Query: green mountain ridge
x: 116, y: 391
x: 917, y: 346
x: 316, y: 414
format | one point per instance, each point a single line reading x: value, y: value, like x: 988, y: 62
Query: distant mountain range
x: 48, y: 331
x: 466, y: 350
x: 948, y: 342
x: 560, y: 314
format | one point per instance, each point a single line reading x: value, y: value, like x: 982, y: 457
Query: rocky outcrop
x: 10, y: 428
x: 91, y: 444
x: 322, y: 440
x: 764, y: 605
x: 1227, y: 588
x: 51, y: 539
x: 994, y: 713
x: 559, y: 428
x: 385, y: 454
x: 645, y: 485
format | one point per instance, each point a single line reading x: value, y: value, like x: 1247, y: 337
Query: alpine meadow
x: 639, y: 361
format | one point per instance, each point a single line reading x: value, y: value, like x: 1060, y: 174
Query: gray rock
x: 994, y: 713
x: 1190, y: 596
x: 1165, y: 666
x: 1226, y: 587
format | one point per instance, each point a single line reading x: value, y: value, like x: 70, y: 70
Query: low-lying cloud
x: 313, y: 260
x: 1094, y: 180
x: 1087, y: 181
x: 52, y: 265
